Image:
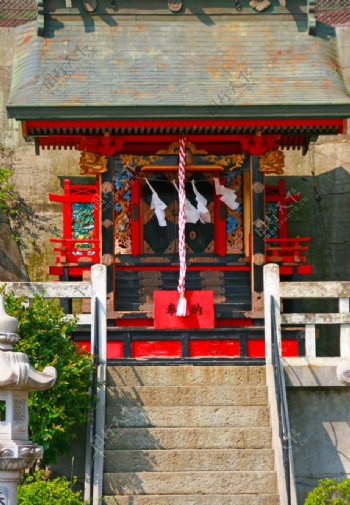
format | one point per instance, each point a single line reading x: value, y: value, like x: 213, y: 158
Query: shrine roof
x: 208, y: 62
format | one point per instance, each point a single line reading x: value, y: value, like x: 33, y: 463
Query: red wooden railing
x: 77, y: 253
x: 77, y: 250
x: 287, y: 250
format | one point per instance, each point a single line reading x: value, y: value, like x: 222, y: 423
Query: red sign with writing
x: 200, y: 305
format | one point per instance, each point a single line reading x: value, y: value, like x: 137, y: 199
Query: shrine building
x: 221, y: 90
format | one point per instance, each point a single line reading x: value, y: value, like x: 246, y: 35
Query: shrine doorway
x: 146, y: 253
x: 164, y: 239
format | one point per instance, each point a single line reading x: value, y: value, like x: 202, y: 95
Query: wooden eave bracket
x: 311, y: 16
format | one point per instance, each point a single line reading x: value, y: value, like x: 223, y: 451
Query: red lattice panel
x: 333, y: 12
x: 17, y: 12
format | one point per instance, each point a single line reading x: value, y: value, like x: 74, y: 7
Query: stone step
x: 194, y: 499
x: 187, y: 395
x: 188, y: 435
x: 150, y: 483
x: 188, y: 438
x: 139, y: 416
x: 185, y: 375
x: 200, y: 460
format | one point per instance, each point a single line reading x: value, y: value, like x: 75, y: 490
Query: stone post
x: 17, y: 379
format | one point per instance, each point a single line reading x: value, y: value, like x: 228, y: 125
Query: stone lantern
x: 17, y: 379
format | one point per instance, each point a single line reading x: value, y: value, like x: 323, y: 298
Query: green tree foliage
x: 36, y: 490
x: 54, y: 414
x: 330, y: 492
x: 8, y: 194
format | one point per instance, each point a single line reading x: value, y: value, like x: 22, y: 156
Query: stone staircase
x: 188, y: 435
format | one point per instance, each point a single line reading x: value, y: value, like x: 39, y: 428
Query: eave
x: 110, y: 137
x: 206, y: 112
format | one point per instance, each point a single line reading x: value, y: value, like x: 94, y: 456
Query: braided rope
x: 182, y: 222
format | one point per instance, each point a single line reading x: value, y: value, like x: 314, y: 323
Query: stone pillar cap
x: 8, y: 324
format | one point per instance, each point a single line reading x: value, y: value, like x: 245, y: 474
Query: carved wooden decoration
x: 190, y: 148
x: 234, y: 218
x: 92, y: 163
x: 272, y: 162
x: 230, y: 162
x: 134, y: 162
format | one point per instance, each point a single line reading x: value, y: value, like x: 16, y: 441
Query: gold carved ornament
x: 134, y: 162
x: 122, y: 222
x: 234, y: 239
x: 272, y: 162
x: 231, y: 161
x: 92, y: 163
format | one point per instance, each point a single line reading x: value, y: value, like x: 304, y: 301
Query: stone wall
x: 34, y: 177
x: 323, y: 179
x: 320, y: 426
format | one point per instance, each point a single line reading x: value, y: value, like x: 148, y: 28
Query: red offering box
x: 200, y: 310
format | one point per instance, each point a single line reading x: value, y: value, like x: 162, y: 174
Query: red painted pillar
x: 220, y: 246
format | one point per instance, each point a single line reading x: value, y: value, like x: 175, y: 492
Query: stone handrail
x: 310, y: 290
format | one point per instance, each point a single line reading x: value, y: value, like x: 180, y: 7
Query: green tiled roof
x: 149, y: 63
